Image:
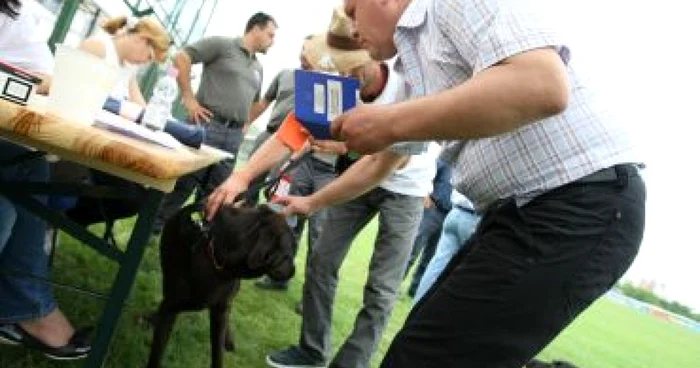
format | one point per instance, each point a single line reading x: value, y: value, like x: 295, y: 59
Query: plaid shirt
x: 443, y: 43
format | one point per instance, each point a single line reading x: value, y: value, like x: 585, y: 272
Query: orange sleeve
x: 292, y: 133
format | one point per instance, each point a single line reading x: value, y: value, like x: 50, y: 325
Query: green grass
x: 606, y: 336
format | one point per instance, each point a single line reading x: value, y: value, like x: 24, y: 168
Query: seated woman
x: 129, y: 44
x: 29, y: 314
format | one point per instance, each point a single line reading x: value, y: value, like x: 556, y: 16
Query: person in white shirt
x: 129, y: 43
x: 391, y: 184
x: 29, y: 314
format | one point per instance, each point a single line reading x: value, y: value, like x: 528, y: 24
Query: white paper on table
x: 115, y: 123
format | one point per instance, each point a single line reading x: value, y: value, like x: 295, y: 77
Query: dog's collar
x: 212, y: 255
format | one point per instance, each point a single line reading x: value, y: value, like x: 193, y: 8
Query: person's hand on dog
x: 296, y: 205
x: 225, y: 194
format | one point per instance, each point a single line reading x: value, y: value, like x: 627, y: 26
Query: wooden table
x: 156, y: 167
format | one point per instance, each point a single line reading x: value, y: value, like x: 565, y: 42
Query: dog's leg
x: 217, y: 333
x: 161, y: 333
x: 229, y: 342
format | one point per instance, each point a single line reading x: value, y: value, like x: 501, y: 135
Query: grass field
x: 606, y: 336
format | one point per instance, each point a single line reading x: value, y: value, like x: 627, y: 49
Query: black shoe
x: 293, y: 357
x: 299, y: 308
x: 269, y: 284
x: 77, y: 348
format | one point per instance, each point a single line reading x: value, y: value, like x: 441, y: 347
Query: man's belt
x: 229, y: 123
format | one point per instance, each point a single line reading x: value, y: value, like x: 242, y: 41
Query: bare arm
x: 365, y: 174
x: 94, y: 46
x: 183, y: 63
x: 271, y: 152
x: 196, y: 112
x: 519, y: 90
x: 522, y: 89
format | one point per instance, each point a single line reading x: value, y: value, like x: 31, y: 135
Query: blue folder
x: 320, y: 98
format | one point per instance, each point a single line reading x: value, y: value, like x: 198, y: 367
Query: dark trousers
x: 525, y: 275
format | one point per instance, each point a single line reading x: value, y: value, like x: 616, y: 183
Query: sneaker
x: 77, y: 348
x: 270, y: 284
x: 293, y: 357
x: 9, y: 335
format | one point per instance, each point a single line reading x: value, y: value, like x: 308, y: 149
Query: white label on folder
x: 335, y: 99
x: 319, y: 99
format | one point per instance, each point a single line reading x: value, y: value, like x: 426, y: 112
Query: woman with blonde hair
x: 128, y: 44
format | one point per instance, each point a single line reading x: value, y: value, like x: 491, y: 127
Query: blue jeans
x: 8, y: 215
x: 425, y: 244
x: 23, y: 298
x: 458, y: 226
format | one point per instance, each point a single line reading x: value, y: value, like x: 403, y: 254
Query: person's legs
x: 208, y: 178
x: 399, y: 218
x: 8, y: 215
x: 320, y: 285
x: 458, y: 226
x: 322, y: 173
x: 524, y: 276
x: 175, y: 199
x: 425, y: 245
x: 26, y: 301
x: 229, y: 140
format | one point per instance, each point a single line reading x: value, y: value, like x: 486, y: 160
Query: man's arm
x: 363, y: 175
x: 196, y: 112
x: 270, y: 152
x: 521, y: 89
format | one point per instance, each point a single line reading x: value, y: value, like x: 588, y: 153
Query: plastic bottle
x: 161, y: 103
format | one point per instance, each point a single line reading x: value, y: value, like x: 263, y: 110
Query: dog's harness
x: 207, y: 240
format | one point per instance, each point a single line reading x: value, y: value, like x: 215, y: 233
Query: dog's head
x: 251, y: 242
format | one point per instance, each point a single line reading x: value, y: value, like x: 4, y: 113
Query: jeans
x: 525, y: 274
x: 425, y: 244
x: 23, y: 298
x: 8, y: 215
x: 458, y: 226
x: 399, y: 217
x: 208, y: 178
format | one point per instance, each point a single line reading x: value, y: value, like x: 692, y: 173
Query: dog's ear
x: 262, y: 250
x: 275, y: 245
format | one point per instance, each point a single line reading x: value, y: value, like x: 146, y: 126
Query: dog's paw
x: 229, y: 346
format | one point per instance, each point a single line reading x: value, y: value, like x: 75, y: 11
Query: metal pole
x: 62, y: 26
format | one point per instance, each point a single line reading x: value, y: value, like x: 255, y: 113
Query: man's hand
x: 225, y: 194
x: 195, y: 111
x: 296, y: 205
x: 329, y: 146
x: 365, y: 129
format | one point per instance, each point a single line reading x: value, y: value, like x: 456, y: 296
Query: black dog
x: 202, y: 268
